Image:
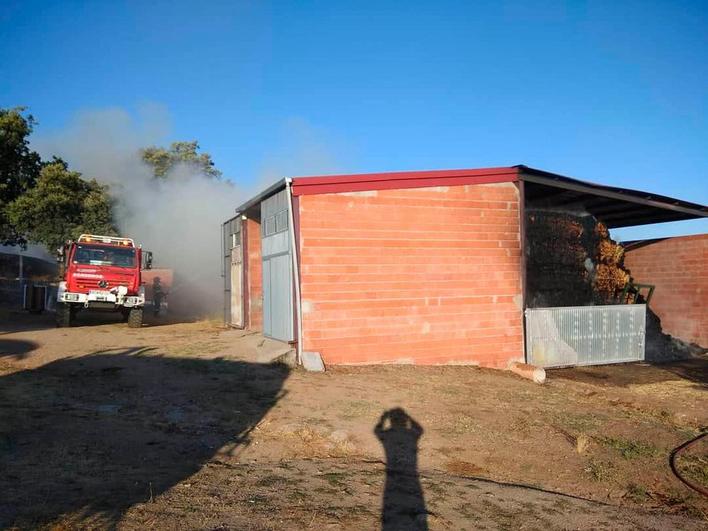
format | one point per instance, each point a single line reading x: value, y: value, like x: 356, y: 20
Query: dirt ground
x: 176, y: 426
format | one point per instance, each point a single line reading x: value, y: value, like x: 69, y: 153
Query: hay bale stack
x: 610, y: 274
x: 609, y: 280
x: 609, y: 252
x: 558, y: 256
x: 571, y: 260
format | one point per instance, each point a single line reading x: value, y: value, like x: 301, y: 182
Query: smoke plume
x: 177, y: 218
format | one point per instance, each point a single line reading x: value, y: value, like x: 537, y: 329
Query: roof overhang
x: 616, y: 207
x: 404, y: 179
x: 265, y: 194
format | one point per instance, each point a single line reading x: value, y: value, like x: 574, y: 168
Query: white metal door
x: 237, y: 286
x: 232, y: 253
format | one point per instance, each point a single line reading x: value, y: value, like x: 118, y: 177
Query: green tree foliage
x: 19, y: 166
x: 62, y: 206
x: 164, y: 160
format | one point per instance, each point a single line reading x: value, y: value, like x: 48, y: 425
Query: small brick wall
x: 678, y: 267
x: 425, y: 276
x: 254, y: 275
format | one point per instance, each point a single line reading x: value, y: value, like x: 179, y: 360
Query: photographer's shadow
x: 403, y: 500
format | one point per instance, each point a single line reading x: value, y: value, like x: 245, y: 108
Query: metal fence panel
x: 585, y: 335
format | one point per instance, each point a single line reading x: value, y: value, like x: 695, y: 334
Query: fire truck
x: 102, y: 273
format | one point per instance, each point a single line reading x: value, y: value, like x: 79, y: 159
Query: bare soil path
x: 175, y: 426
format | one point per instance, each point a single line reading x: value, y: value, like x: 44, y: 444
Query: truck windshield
x: 99, y: 255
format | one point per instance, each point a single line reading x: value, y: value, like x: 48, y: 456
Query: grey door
x: 232, y: 271
x: 277, y: 269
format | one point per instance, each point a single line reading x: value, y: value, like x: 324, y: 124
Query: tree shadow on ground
x: 83, y: 439
x: 16, y: 320
x: 16, y: 348
x: 403, y: 501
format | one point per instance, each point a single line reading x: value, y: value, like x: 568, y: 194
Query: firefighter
x: 157, y: 295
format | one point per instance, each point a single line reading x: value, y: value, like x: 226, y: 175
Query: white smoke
x: 300, y: 150
x: 177, y: 218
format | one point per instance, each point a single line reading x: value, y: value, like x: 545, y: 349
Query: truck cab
x: 102, y: 273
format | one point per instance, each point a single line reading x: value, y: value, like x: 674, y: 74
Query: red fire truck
x: 102, y: 273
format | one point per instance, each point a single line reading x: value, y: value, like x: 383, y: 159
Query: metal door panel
x: 267, y: 288
x: 585, y: 335
x: 281, y: 297
x: 276, y: 244
x: 231, y: 237
x: 237, y: 286
x: 277, y: 268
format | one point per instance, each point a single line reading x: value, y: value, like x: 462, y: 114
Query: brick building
x: 678, y: 268
x: 407, y: 267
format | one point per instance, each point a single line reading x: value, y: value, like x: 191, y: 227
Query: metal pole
x: 296, y: 270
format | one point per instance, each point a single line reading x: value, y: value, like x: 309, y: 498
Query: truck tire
x: 65, y: 315
x: 135, y: 318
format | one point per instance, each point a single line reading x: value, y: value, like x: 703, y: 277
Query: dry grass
x: 582, y: 443
x: 637, y: 493
x: 694, y: 467
x: 318, y: 442
x: 354, y: 409
x: 630, y: 448
x: 462, y: 468
x: 461, y: 424
x: 604, y: 428
x: 600, y: 471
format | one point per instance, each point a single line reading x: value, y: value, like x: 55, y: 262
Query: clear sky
x: 612, y: 92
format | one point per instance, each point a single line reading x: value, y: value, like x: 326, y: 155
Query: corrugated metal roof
x: 265, y: 194
x: 403, y: 179
x: 617, y: 207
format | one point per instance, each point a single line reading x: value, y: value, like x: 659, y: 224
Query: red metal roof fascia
x: 393, y: 180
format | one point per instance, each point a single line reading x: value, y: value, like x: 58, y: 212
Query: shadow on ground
x: 16, y: 348
x: 83, y: 439
x: 694, y: 370
x: 403, y: 500
x: 17, y: 320
x: 14, y: 319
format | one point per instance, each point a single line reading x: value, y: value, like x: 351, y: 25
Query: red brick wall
x: 427, y: 276
x: 254, y: 275
x: 678, y: 267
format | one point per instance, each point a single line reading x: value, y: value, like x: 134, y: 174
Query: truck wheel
x: 65, y: 315
x: 135, y: 318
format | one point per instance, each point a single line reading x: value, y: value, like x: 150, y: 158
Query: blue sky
x: 612, y: 92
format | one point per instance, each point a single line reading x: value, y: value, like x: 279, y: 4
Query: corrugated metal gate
x: 277, y: 268
x: 585, y: 335
x: 232, y: 271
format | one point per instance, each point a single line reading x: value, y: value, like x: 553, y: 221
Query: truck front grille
x: 92, y: 284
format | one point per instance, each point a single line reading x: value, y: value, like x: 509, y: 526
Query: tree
x: 61, y: 206
x: 19, y: 166
x: 164, y: 160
